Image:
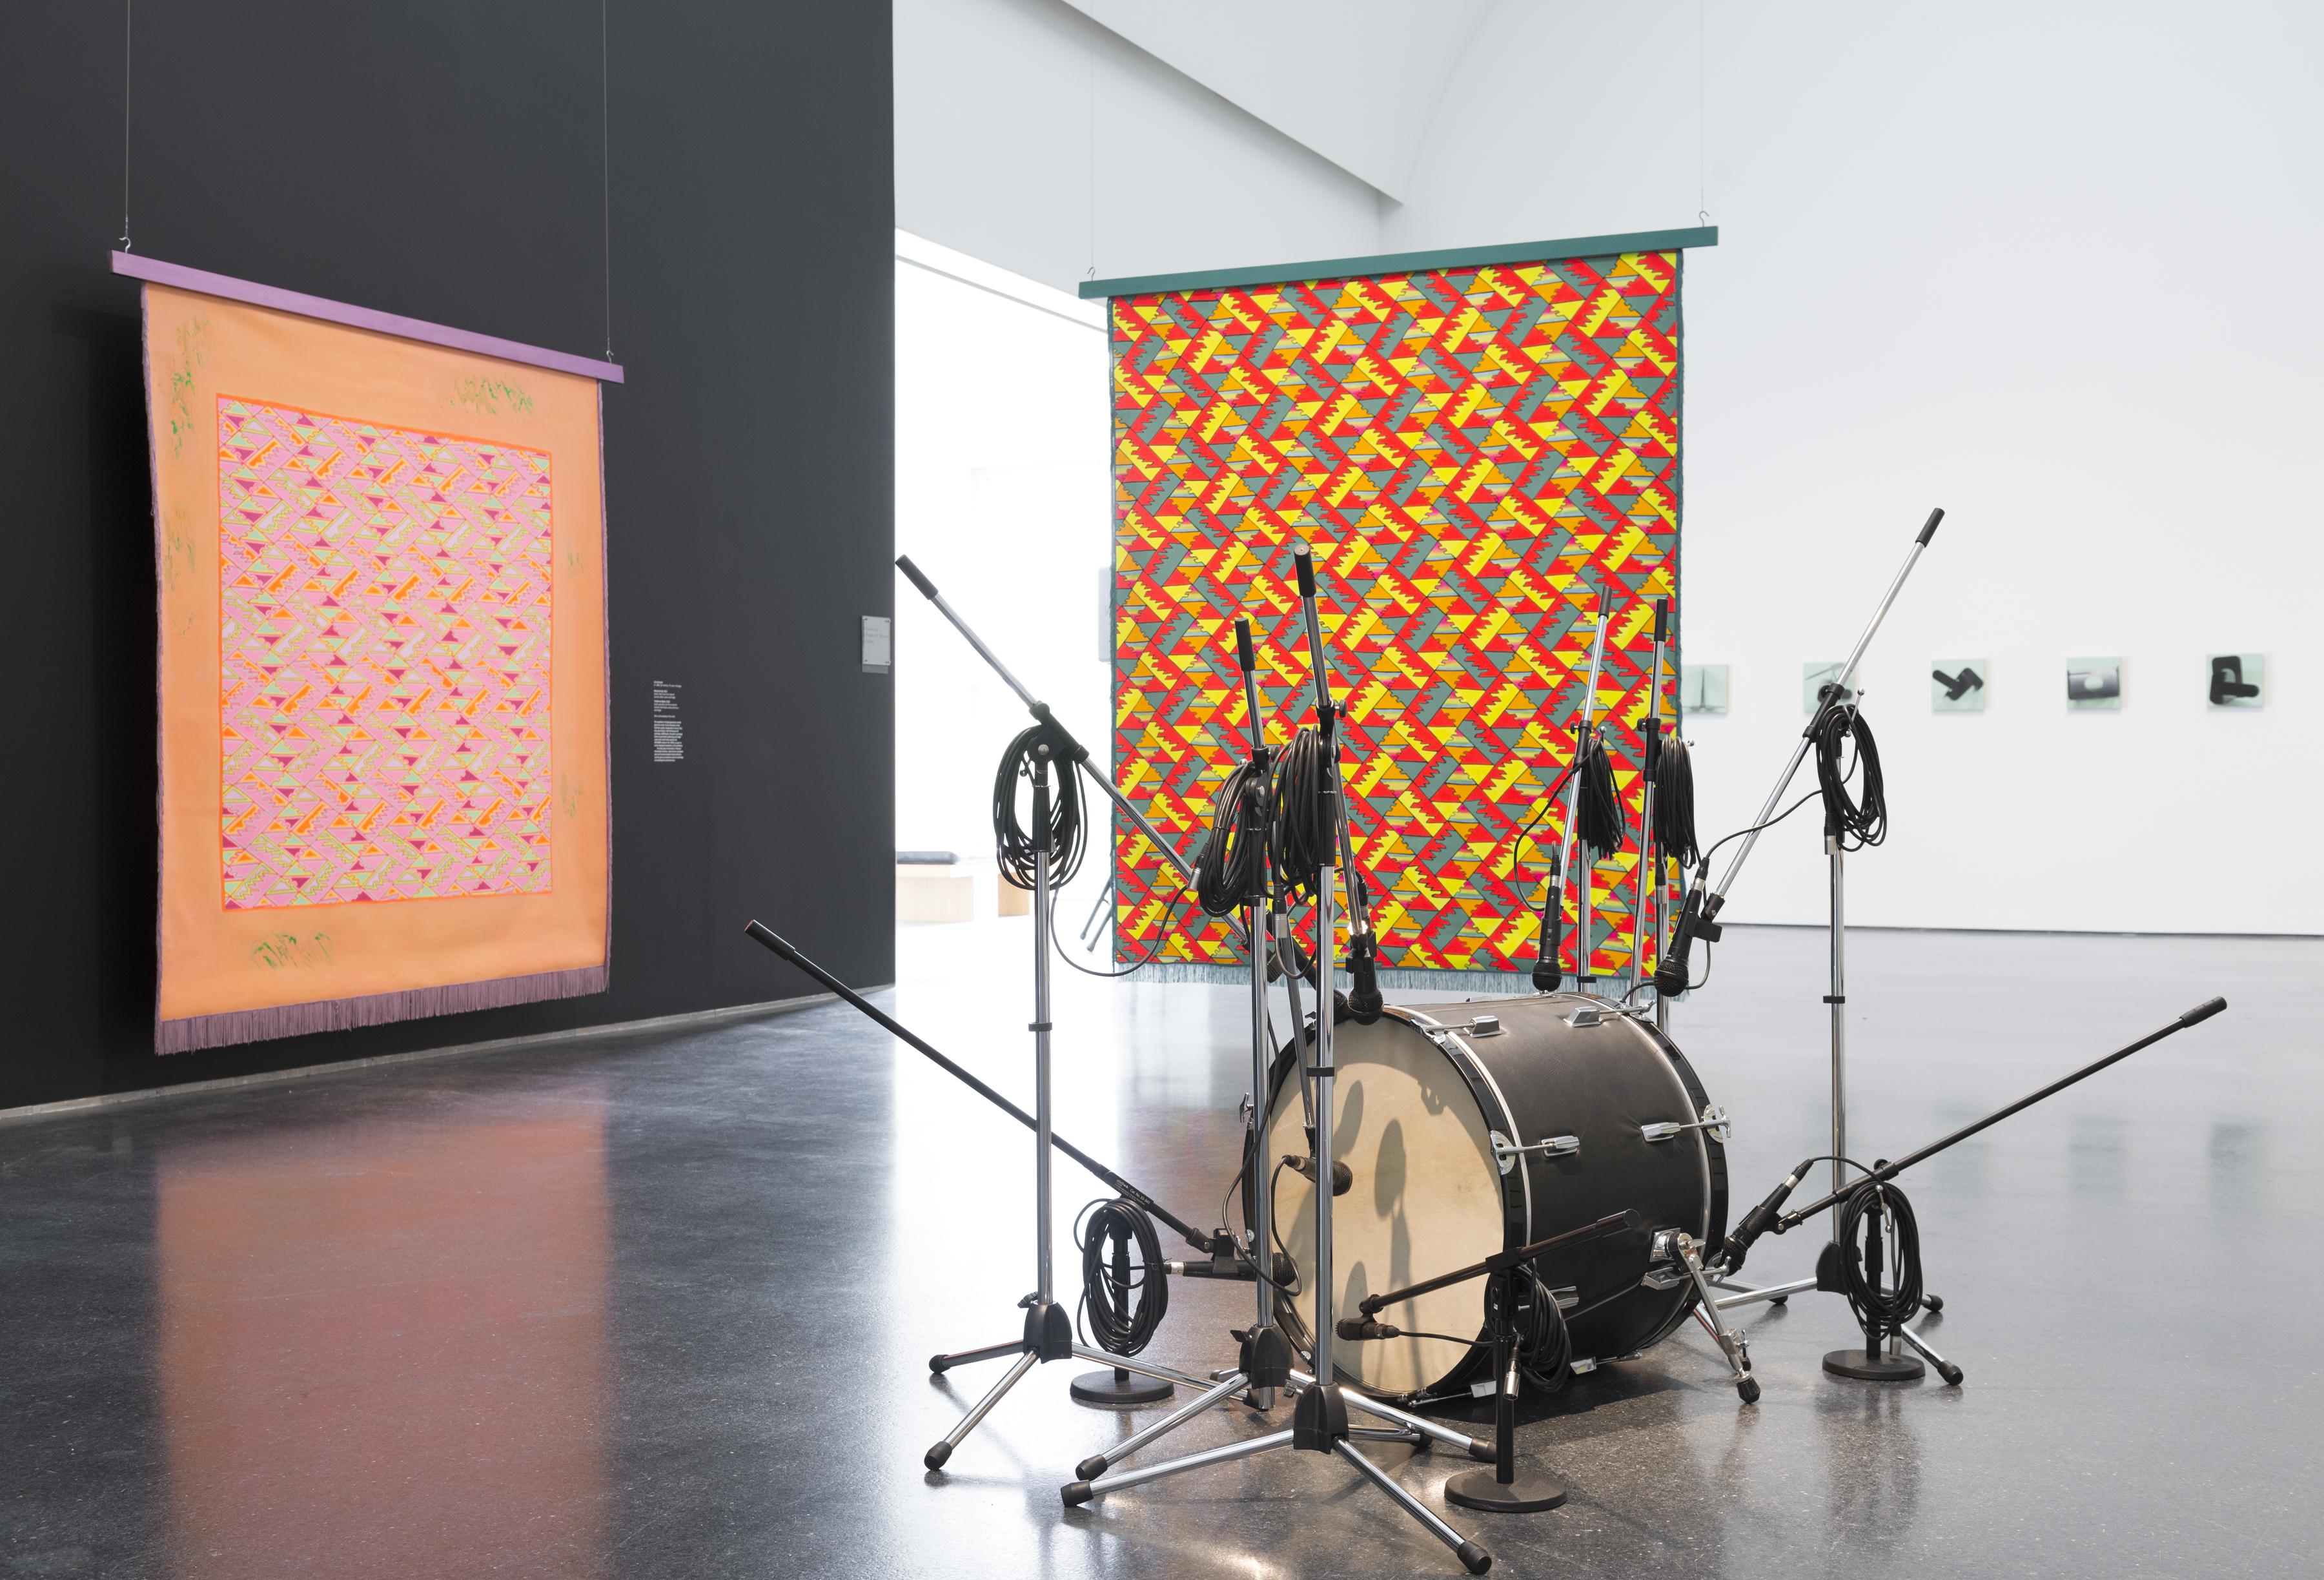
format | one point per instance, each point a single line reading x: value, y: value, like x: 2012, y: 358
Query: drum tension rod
x: 1507, y: 1153
x: 1714, y: 1120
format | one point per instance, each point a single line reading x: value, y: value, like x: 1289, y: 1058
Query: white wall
x: 2051, y: 267
x: 1033, y: 138
x: 1001, y: 497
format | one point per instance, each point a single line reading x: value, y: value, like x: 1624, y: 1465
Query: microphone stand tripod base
x: 1882, y: 1367
x: 1530, y: 1494
x: 1119, y: 1390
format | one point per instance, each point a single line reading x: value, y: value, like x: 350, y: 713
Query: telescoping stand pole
x: 1318, y: 1417
x: 1048, y: 1332
x: 1699, y: 917
x: 1585, y: 729
x: 1650, y: 876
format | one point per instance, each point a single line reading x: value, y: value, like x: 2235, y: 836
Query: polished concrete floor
x: 660, y: 1305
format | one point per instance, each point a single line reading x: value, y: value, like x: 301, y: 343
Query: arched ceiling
x: 1358, y: 81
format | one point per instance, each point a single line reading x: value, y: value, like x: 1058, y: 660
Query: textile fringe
x: 1488, y: 984
x: 193, y: 1032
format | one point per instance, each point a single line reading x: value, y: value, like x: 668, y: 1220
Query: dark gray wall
x: 439, y: 158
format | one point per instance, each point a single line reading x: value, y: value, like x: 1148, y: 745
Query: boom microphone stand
x: 1650, y: 875
x: 1768, y: 1216
x: 1319, y: 1421
x: 1048, y: 1332
x: 1698, y: 919
x: 1265, y: 1363
x: 1505, y: 1490
x: 1585, y: 730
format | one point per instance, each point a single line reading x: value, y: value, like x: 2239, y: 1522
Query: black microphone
x: 1694, y: 921
x: 1364, y: 1327
x: 1364, y: 1002
x: 1760, y: 1219
x: 1545, y: 971
x: 1342, y: 1177
x: 1304, y: 557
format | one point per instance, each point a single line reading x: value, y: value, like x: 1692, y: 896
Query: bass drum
x: 1420, y: 1101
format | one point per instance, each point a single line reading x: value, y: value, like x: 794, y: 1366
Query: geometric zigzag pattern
x: 1471, y: 453
x: 383, y: 704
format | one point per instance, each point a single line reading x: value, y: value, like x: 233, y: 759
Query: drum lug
x: 1714, y: 1120
x: 1586, y: 1015
x: 1507, y: 1153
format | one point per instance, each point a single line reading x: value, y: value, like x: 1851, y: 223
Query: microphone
x: 1342, y: 1177
x: 1694, y: 921
x: 1304, y: 557
x: 1364, y: 1327
x: 1364, y: 1001
x: 1545, y: 972
x: 1760, y: 1219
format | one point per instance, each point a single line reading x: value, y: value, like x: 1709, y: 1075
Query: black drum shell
x: 1544, y: 1075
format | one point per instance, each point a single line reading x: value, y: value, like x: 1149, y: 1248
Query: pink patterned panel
x: 385, y: 661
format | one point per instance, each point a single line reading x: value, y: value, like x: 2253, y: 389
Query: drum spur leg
x: 1679, y: 1246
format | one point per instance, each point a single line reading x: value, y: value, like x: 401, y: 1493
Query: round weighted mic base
x: 1119, y: 1390
x: 1884, y: 1367
x: 1530, y: 1494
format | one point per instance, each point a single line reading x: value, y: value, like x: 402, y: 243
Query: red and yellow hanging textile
x: 1472, y: 452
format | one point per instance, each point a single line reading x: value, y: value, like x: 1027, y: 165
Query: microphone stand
x: 1504, y: 1490
x: 1650, y: 876
x: 1670, y: 976
x: 1049, y: 1333
x: 1768, y: 1216
x: 1585, y: 727
x: 1319, y: 1418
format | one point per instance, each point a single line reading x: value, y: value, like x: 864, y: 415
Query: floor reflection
x: 382, y: 1346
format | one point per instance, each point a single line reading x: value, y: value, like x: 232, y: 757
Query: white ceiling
x: 1358, y: 81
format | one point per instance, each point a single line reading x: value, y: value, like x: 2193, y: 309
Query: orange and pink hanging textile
x: 1472, y: 452
x: 384, y: 776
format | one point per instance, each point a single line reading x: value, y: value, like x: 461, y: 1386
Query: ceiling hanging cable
x: 606, y: 164
x: 128, y: 21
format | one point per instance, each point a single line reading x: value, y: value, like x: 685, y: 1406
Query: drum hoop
x: 1449, y: 1042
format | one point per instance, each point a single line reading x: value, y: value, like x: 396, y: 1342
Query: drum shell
x: 1416, y: 1100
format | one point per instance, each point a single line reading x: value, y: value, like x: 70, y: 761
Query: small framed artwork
x: 1814, y: 677
x: 2239, y: 679
x: 1702, y: 688
x: 1958, y: 685
x: 2094, y: 684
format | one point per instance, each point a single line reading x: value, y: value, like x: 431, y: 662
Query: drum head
x: 1426, y: 1196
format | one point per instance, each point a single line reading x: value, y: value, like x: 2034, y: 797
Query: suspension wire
x: 128, y: 28
x: 605, y: 162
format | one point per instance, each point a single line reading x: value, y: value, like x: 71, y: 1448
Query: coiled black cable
x: 1141, y: 1289
x: 1544, y: 1348
x: 1014, y: 846
x: 1857, y: 824
x: 1599, y: 819
x: 1230, y: 870
x: 1890, y: 1308
x: 1305, y: 840
x: 1673, y: 781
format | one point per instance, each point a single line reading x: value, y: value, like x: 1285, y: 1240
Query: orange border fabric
x: 237, y: 975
